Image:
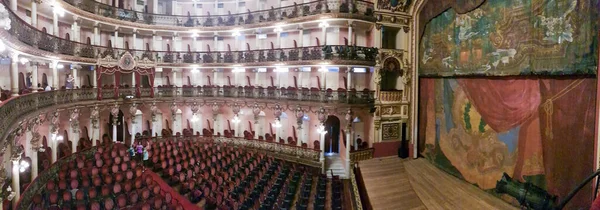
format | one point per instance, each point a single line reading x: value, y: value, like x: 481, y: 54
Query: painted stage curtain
x: 505, y: 104
x: 539, y: 130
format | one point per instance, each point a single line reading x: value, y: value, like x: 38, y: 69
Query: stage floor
x: 393, y: 183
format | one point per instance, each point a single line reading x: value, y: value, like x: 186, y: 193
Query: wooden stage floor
x: 393, y: 183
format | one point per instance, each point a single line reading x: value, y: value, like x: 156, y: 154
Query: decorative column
x: 34, y: 76
x: 277, y: 113
x: 13, y: 5
x: 256, y: 111
x: 34, y: 12
x: 349, y: 135
x: 75, y: 29
x: 54, y: 137
x: 132, y: 112
x: 75, y: 73
x: 115, y: 44
x: 94, y: 122
x: 236, y: 120
x: 176, y: 118
x: 196, y: 119
x: 96, y: 35
x: 216, y: 122
x: 32, y: 144
x: 134, y: 42
x: 299, y: 120
x: 377, y: 36
x: 74, y: 128
x: 349, y: 72
x: 55, y: 83
x: 16, y: 163
x: 115, y: 114
x: 300, y: 37
x: 156, y: 119
x: 350, y: 39
x: 55, y: 24
x: 278, y: 31
x: 14, y: 74
x: 216, y: 41
x: 322, y: 116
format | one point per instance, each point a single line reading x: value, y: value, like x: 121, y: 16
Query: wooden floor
x: 393, y: 183
x: 388, y: 184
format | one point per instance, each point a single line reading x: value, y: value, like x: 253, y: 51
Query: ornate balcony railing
x: 359, y: 8
x: 47, y: 42
x: 272, y: 93
x: 360, y: 155
x: 390, y: 96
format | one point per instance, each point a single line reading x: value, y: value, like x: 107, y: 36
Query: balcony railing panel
x: 360, y: 8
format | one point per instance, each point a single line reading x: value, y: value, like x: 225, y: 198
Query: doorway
x: 332, y: 137
x: 120, y: 126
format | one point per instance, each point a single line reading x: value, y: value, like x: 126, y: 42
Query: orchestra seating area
x: 205, y: 174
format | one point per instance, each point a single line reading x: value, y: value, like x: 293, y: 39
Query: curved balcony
x: 361, y: 10
x: 14, y: 109
x: 88, y: 53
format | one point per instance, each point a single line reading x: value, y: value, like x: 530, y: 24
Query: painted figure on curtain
x: 513, y: 37
x: 536, y: 130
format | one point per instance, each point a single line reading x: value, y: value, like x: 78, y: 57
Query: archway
x: 390, y: 73
x: 332, y: 137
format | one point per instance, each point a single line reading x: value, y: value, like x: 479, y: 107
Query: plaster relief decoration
x: 114, y: 111
x: 74, y: 119
x: 299, y: 116
x: 133, y: 111
x: 235, y: 108
x: 513, y: 38
x: 54, y: 122
x: 394, y: 5
x: 256, y: 109
x: 278, y: 111
x: 348, y: 118
x: 322, y: 115
x: 125, y: 64
x: 154, y: 110
x: 95, y: 116
x: 215, y: 110
x: 390, y: 131
x: 173, y: 109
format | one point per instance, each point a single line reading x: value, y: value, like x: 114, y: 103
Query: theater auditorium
x: 299, y: 104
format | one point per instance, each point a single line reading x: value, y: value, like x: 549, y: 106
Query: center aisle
x: 187, y: 205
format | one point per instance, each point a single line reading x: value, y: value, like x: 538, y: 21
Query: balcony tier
x: 316, y: 10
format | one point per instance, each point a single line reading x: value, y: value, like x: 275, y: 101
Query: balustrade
x: 360, y: 155
x: 363, y: 9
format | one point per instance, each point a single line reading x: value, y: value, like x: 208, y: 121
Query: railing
x: 46, y: 42
x: 360, y: 155
x: 360, y: 8
x: 40, y: 181
x: 390, y: 96
x: 303, y: 94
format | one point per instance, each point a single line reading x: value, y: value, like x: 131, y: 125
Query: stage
x: 394, y: 183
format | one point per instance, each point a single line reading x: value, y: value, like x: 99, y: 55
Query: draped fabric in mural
x: 512, y: 37
x: 535, y: 129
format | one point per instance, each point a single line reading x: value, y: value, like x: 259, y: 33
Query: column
x: 300, y: 38
x: 96, y: 40
x: 74, y: 129
x: 95, y: 135
x: 94, y: 79
x: 174, y: 78
x: 15, y: 180
x: 34, y: 76
x: 13, y: 5
x: 134, y: 41
x: 53, y: 143
x: 278, y: 45
x: 377, y: 37
x: 14, y: 74
x: 34, y: 13
x: 215, y: 44
x: 55, y: 24
x: 75, y: 29
x: 75, y: 72
x: 322, y: 148
x: 349, y: 77
x: 237, y: 8
x: 348, y: 137
x: 34, y: 163
x: 174, y: 8
x: 55, y: 83
x: 115, y: 38
x: 350, y: 39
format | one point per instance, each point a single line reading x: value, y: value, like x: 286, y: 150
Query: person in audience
x: 131, y: 151
x: 145, y: 158
x: 47, y: 87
